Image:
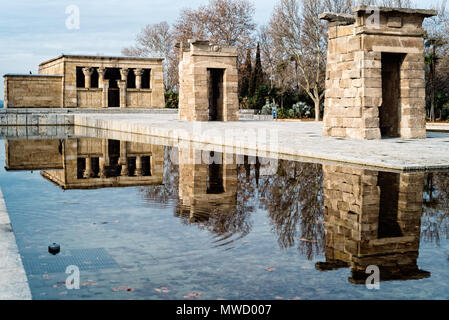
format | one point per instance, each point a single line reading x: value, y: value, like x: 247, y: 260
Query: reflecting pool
x: 148, y: 221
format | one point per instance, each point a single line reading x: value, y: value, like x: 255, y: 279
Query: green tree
x: 246, y: 75
x: 257, y: 77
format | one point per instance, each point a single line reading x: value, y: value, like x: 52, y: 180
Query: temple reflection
x: 206, y: 185
x: 211, y: 194
x: 372, y: 218
x: 88, y: 163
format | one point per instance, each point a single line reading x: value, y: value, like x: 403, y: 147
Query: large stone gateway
x: 375, y: 77
x: 208, y: 82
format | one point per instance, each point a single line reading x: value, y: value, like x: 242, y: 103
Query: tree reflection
x: 294, y: 201
x: 435, y: 220
x: 168, y: 191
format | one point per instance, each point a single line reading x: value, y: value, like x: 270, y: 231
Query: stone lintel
x: 388, y: 10
x: 338, y: 18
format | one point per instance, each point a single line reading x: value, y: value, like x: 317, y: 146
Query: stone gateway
x: 375, y: 77
x: 208, y: 82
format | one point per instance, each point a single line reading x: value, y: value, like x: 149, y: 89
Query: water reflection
x: 294, y: 201
x: 208, y: 188
x: 88, y: 163
x: 354, y: 217
x: 372, y: 218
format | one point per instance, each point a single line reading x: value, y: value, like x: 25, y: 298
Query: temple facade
x: 375, y: 76
x: 70, y: 81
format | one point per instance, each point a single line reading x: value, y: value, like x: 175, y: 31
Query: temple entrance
x: 113, y: 98
x: 113, y: 75
x: 390, y: 111
x: 215, y: 94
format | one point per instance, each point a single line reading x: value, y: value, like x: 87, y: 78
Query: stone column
x: 101, y: 73
x: 102, y: 168
x: 122, y: 85
x: 123, y: 158
x: 138, y: 73
x: 88, y: 171
x: 139, y: 171
x: 87, y: 77
x: 105, y: 93
x: 124, y: 74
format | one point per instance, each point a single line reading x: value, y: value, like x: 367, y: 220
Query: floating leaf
x: 270, y: 269
x: 193, y: 295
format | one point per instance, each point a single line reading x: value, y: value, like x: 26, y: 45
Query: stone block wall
x: 33, y: 91
x: 358, y: 84
x: 197, y: 58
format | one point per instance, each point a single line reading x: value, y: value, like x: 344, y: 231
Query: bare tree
x: 299, y: 34
x: 225, y: 22
x: 157, y: 40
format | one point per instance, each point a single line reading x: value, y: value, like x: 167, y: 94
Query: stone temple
x: 208, y: 82
x: 73, y: 81
x: 375, y: 77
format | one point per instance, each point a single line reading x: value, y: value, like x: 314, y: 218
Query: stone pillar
x: 102, y: 173
x: 87, y: 77
x: 124, y: 74
x: 123, y: 161
x: 105, y: 93
x: 101, y: 73
x: 88, y: 171
x: 138, y: 73
x: 122, y: 86
x: 139, y: 171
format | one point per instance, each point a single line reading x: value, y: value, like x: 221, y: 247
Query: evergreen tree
x: 246, y: 75
x: 257, y: 77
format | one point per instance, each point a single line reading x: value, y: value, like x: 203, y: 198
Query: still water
x: 145, y: 221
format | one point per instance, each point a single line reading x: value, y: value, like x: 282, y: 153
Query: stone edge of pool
x: 173, y: 129
x: 13, y: 280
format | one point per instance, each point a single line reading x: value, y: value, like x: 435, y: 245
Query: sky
x: 34, y: 31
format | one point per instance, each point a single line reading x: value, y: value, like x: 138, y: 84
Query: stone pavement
x: 13, y: 279
x: 284, y: 139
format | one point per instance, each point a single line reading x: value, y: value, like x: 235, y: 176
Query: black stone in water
x: 54, y: 248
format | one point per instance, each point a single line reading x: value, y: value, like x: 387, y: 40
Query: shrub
x: 171, y: 100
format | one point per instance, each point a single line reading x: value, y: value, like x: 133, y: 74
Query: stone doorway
x: 113, y: 75
x: 390, y: 110
x: 215, y: 93
x: 113, y: 98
